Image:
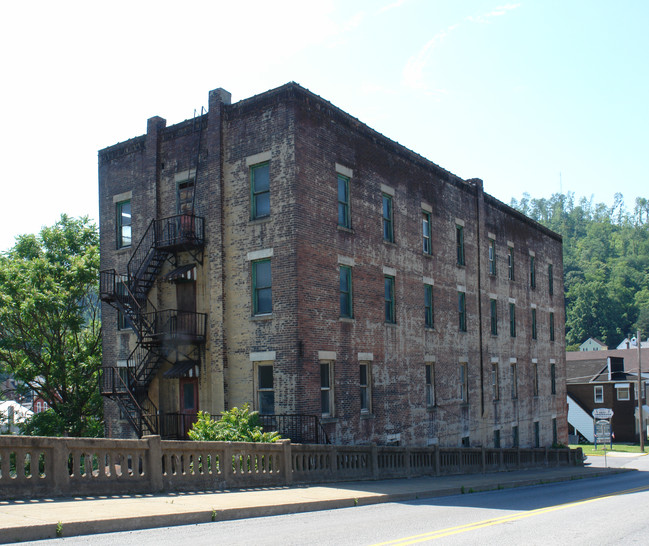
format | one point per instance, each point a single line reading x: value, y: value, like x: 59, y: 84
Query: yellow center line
x: 503, y: 519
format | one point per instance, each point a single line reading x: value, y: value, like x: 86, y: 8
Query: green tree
x: 235, y: 425
x: 605, y: 262
x: 50, y: 331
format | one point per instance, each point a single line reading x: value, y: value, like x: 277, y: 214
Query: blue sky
x: 535, y: 96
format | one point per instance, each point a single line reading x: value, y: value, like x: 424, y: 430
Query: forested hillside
x: 605, y: 260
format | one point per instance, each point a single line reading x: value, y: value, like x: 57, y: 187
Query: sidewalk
x: 38, y: 519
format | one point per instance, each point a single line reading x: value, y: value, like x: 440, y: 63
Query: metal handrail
x: 173, y: 322
x: 180, y: 229
x: 115, y: 384
x: 147, y: 242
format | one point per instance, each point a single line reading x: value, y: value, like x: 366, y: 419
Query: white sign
x: 602, y: 413
x: 602, y: 432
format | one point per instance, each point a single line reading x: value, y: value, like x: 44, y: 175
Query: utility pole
x: 640, y: 418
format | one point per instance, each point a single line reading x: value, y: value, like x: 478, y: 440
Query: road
x: 609, y: 510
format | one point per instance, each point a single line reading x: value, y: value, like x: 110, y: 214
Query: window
x: 510, y: 263
x: 514, y: 374
x: 493, y: 306
x: 464, y: 382
x: 262, y: 288
x: 554, y: 432
x: 260, y: 190
x: 532, y: 272
x: 426, y: 233
x: 515, y: 436
x: 551, y: 326
x: 365, y: 387
x: 495, y: 386
x: 461, y: 308
x: 533, y: 323
x: 537, y: 434
x: 344, y: 218
x: 389, y: 299
x: 550, y: 280
x: 265, y: 392
x: 459, y: 240
x: 346, y: 309
x: 124, y: 224
x: 492, y: 257
x: 466, y: 441
x: 388, y: 228
x: 326, y: 394
x: 497, y: 439
x: 512, y: 319
x: 430, y: 385
x: 185, y: 197
x: 535, y: 378
x: 121, y: 321
x: 623, y: 393
x: 428, y: 303
x: 599, y: 394
x: 553, y: 379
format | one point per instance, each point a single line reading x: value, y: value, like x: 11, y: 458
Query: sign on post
x: 602, y: 421
x: 602, y: 413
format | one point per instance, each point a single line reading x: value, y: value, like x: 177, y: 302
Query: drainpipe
x: 479, y: 199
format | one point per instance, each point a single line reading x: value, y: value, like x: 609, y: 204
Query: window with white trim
x: 365, y: 383
x: 430, y: 385
x: 326, y: 388
x: 124, y: 235
x: 260, y: 190
x: 265, y: 389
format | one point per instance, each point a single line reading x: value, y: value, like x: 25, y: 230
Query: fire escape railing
x: 140, y: 411
x: 156, y: 330
x: 179, y: 230
x: 172, y: 324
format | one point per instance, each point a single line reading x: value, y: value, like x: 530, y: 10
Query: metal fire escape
x: 158, y: 332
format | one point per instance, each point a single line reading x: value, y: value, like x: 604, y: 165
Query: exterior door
x: 186, y: 305
x: 188, y: 404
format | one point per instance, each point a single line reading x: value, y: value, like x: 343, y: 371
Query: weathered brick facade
x: 307, y: 143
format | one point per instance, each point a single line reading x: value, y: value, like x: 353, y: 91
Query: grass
x: 589, y: 449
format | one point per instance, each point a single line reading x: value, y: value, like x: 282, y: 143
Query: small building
x: 632, y: 343
x: 12, y: 415
x: 592, y: 344
x: 603, y: 379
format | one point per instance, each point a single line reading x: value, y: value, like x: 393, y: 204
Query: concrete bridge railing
x: 38, y: 467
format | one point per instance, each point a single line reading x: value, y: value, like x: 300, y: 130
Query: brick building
x: 277, y: 251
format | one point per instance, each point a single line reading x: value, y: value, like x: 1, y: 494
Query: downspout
x: 477, y: 184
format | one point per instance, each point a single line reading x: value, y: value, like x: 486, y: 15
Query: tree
x: 235, y: 425
x: 50, y: 331
x: 605, y: 262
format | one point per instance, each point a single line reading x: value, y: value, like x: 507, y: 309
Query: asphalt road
x: 608, y: 510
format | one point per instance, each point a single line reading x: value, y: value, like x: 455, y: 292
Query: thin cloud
x: 394, y: 5
x: 413, y: 72
x: 496, y: 12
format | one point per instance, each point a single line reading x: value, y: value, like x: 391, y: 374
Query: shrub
x: 235, y: 425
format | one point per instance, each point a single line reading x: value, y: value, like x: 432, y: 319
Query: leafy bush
x: 235, y: 425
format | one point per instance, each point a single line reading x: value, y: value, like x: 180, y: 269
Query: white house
x: 11, y: 415
x: 633, y: 344
x: 592, y: 344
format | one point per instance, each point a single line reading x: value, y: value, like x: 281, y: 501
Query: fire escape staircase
x: 157, y: 332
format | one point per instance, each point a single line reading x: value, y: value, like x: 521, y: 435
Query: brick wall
x: 306, y: 140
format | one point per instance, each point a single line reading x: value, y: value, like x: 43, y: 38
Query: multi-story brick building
x: 278, y: 252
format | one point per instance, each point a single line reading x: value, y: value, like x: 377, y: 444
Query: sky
x: 531, y: 96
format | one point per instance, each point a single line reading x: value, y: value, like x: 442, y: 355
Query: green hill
x: 605, y: 260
